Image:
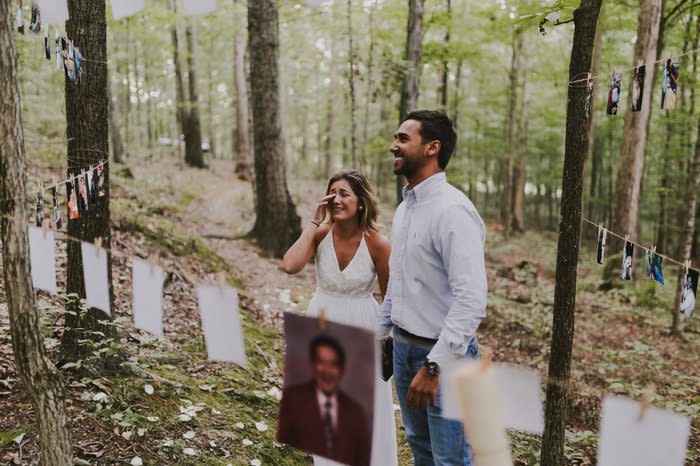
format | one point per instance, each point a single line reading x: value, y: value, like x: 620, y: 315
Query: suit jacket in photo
x: 301, y: 426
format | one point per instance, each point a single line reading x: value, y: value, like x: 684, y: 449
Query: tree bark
x: 181, y: 113
x: 277, y: 224
x: 442, y: 90
x: 411, y: 76
x: 625, y: 214
x: 87, y: 118
x: 193, y: 127
x: 241, y: 137
x: 519, y: 178
x: 575, y: 152
x: 510, y: 130
x: 40, y: 378
x: 351, y: 81
x: 370, y: 81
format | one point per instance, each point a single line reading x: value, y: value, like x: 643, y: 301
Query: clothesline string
x: 639, y: 245
x: 594, y: 78
x: 51, y: 185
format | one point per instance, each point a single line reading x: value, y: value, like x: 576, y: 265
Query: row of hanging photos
x: 56, y: 11
x: 669, y: 88
x: 653, y: 263
x: 218, y: 305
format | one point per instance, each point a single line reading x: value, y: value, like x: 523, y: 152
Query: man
x: 318, y: 417
x: 436, y: 294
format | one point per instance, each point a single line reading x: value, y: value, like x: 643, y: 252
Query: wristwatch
x: 432, y: 368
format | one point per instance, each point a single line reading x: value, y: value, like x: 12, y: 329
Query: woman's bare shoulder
x: 377, y: 242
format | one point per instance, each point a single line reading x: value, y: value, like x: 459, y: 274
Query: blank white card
x: 43, y: 259
x: 147, y: 283
x: 218, y: 308
x: 95, y: 276
x: 660, y: 438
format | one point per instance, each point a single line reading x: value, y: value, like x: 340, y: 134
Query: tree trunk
x: 87, y: 118
x: 442, y: 90
x: 351, y: 81
x: 117, y: 145
x: 370, y: 83
x: 519, y: 179
x: 241, y: 137
x: 575, y: 151
x: 40, y: 378
x: 277, y: 224
x: 193, y: 127
x: 510, y: 130
x: 595, y: 144
x: 411, y: 78
x: 181, y: 113
x: 625, y: 214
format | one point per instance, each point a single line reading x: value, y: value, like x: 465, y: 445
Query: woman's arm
x: 298, y: 255
x: 380, y: 250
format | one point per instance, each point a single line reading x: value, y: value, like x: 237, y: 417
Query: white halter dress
x: 346, y: 297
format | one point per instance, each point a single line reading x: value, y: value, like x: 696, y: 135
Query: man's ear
x: 433, y: 148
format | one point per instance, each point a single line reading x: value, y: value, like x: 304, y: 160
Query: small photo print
x: 638, y: 88
x: 327, y: 406
x: 602, y: 241
x: 669, y: 84
x: 72, y: 200
x: 690, y: 288
x: 100, y: 180
x: 91, y: 185
x: 614, y: 94
x: 39, y: 209
x: 590, y: 85
x: 627, y: 259
x: 653, y: 262
x: 56, y: 209
x: 84, y: 206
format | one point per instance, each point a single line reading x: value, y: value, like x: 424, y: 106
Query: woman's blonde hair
x: 367, y: 202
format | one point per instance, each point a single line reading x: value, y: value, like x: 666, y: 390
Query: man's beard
x: 407, y: 168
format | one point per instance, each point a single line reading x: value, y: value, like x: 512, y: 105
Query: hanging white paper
x: 95, y: 275
x: 218, y: 308
x: 43, y: 259
x: 148, y: 297
x: 123, y: 8
x: 661, y: 437
x: 519, y: 392
x: 198, y: 7
x: 53, y: 11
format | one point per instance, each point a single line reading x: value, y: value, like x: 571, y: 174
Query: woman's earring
x: 361, y: 207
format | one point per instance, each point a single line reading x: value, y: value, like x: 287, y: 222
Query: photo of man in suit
x: 318, y: 417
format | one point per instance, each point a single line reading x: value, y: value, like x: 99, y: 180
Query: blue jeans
x: 434, y: 440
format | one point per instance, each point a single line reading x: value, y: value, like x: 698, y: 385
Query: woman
x: 350, y: 252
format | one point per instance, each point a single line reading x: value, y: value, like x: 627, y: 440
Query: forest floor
x: 197, y: 412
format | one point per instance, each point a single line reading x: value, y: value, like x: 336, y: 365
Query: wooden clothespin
x: 221, y: 281
x: 627, y: 239
x: 98, y: 245
x: 486, y: 359
x: 53, y: 182
x: 152, y: 261
x: 687, y: 266
x: 644, y: 403
x: 45, y: 224
x: 612, y: 75
x: 322, y: 320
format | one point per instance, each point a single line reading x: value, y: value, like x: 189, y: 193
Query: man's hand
x: 423, y: 390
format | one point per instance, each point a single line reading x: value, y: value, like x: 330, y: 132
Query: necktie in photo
x: 328, y: 430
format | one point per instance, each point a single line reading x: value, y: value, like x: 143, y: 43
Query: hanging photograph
x: 690, y: 288
x: 100, y: 180
x: 72, y: 200
x: 627, y: 259
x: 638, y: 88
x: 590, y: 86
x: 84, y: 206
x: 614, y: 94
x: 56, y: 210
x: 39, y: 209
x: 327, y: 406
x: 653, y: 261
x: 669, y: 84
x: 602, y: 240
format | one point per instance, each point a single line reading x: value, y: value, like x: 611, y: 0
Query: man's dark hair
x: 325, y: 340
x: 436, y: 126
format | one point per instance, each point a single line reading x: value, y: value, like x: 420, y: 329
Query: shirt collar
x: 425, y: 187
x: 322, y: 397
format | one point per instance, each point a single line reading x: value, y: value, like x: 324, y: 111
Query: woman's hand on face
x: 322, y: 208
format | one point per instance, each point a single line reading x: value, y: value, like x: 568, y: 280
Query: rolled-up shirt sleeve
x: 460, y: 242
x: 384, y: 315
